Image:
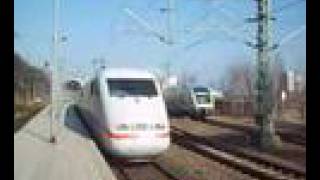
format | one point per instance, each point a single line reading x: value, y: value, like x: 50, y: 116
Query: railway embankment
x: 24, y: 113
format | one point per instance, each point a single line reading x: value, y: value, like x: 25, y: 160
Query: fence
x: 234, y: 107
x: 242, y: 106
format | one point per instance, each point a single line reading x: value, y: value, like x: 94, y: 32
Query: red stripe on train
x: 163, y: 135
x: 127, y: 135
x: 118, y: 135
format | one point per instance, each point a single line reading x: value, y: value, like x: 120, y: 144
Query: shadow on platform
x: 73, y: 122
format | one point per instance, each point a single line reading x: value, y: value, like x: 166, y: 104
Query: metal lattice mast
x: 263, y: 81
x: 169, y: 36
x: 170, y: 23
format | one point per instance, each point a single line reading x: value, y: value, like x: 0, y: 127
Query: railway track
x: 141, y: 171
x: 254, y: 164
x: 289, y: 137
x: 131, y: 171
x: 249, y: 164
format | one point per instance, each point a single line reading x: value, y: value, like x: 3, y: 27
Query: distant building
x: 295, y: 81
x: 169, y: 81
x: 299, y: 82
x: 290, y: 81
x: 172, y: 81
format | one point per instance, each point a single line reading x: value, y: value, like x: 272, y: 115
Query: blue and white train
x: 196, y: 102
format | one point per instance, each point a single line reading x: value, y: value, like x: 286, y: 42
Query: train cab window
x: 131, y: 87
x: 201, y: 90
x: 203, y: 99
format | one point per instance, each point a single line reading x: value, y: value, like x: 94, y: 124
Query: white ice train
x: 125, y: 110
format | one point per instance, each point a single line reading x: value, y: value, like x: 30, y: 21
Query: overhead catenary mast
x: 170, y: 21
x: 267, y: 137
x: 168, y: 37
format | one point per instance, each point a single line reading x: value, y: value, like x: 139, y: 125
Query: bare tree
x: 28, y: 81
x: 187, y: 79
x: 163, y: 73
x: 277, y: 71
x: 238, y: 88
x: 213, y: 84
x: 302, y: 96
x: 239, y: 80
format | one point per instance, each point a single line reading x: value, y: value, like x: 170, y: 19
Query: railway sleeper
x: 269, y: 160
x: 244, y: 165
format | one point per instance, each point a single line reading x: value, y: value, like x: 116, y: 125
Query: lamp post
x: 54, y: 70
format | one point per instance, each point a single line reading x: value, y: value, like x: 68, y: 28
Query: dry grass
x: 220, y: 131
x: 23, y: 113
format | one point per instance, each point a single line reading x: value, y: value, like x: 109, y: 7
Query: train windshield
x: 131, y: 87
x: 201, y: 89
x: 203, y: 99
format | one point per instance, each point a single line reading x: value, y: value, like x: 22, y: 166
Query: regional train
x: 126, y: 112
x: 195, y: 102
x: 73, y: 84
x: 202, y: 100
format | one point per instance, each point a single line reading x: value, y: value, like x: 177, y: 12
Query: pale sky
x: 101, y: 28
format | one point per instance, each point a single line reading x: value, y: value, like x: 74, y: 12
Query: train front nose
x: 140, y: 145
x: 140, y: 125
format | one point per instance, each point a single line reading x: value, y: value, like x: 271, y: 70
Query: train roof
x: 200, y: 89
x: 127, y: 73
x: 77, y: 80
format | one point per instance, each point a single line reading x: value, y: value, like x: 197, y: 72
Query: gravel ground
x: 290, y: 152
x: 188, y: 165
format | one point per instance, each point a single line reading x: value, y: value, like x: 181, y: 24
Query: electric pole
x: 169, y: 37
x: 94, y: 66
x: 267, y: 137
x: 169, y: 10
x: 266, y: 103
x: 54, y: 68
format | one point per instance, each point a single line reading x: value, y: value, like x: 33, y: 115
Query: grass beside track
x: 23, y: 113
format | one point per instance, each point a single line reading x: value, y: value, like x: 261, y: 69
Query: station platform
x: 73, y: 157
